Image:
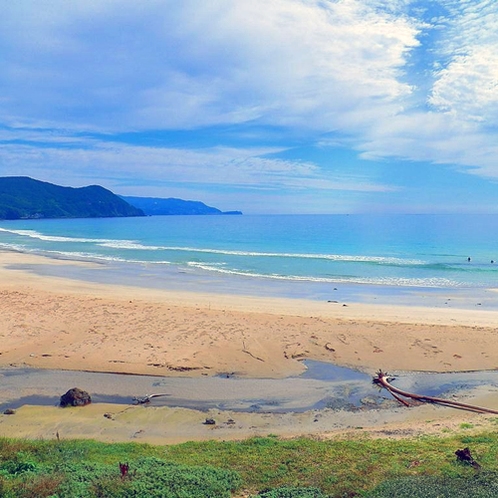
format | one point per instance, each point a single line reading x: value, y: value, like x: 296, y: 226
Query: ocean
x: 353, y: 257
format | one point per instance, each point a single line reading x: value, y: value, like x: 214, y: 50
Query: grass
x: 338, y: 468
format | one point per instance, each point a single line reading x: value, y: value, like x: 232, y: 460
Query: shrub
x: 42, y: 486
x: 152, y: 477
x: 19, y: 463
x: 147, y: 478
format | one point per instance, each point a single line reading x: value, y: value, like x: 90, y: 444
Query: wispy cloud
x: 249, y: 169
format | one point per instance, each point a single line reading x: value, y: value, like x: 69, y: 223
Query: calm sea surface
x: 304, y: 256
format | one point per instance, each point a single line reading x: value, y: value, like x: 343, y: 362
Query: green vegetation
x: 258, y: 467
x: 23, y: 198
x: 286, y: 492
x: 480, y: 485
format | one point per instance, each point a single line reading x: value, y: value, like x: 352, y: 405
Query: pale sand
x: 58, y: 323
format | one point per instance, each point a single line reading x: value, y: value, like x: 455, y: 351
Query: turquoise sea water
x: 304, y: 255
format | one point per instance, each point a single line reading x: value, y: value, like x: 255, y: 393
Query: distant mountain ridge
x: 153, y: 206
x: 22, y: 197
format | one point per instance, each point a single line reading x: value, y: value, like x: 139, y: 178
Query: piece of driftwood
x: 382, y: 379
x: 147, y: 398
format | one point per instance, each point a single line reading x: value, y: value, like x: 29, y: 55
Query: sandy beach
x: 59, y: 323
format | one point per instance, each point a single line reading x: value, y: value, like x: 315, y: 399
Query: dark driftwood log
x: 147, y: 398
x: 382, y: 379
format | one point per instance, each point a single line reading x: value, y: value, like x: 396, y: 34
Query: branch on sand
x: 383, y: 378
x: 147, y: 398
x: 246, y: 351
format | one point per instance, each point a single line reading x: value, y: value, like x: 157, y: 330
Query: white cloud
x: 250, y: 169
x: 439, y: 138
x: 467, y: 83
x: 460, y: 126
x: 170, y: 64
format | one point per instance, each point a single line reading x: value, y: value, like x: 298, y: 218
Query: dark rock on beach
x: 75, y: 397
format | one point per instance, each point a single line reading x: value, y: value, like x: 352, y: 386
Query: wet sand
x: 58, y: 323
x: 164, y: 425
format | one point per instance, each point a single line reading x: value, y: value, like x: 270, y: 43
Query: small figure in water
x: 468, y: 259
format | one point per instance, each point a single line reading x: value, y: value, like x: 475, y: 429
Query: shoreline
x: 62, y: 323
x: 80, y: 276
x: 172, y: 278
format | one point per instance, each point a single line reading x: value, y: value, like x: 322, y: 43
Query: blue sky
x: 281, y: 106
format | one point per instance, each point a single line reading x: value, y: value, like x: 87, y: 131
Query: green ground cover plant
x: 266, y: 467
x: 286, y: 492
x: 481, y: 485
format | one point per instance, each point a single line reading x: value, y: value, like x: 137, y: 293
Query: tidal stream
x: 322, y: 385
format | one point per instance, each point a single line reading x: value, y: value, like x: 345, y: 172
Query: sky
x: 281, y: 106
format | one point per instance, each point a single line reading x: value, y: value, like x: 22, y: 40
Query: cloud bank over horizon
x: 289, y: 105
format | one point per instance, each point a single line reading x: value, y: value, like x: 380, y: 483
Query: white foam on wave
x: 33, y: 234
x: 395, y: 282
x: 79, y: 256
x: 12, y: 247
x: 331, y: 257
x: 110, y: 243
x: 129, y: 244
x: 102, y: 257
